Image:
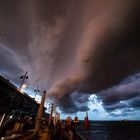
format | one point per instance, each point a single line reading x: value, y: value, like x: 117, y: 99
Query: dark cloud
x: 123, y: 112
x: 67, y: 99
x: 51, y: 39
x: 123, y: 96
x: 122, y: 92
x: 66, y: 104
x: 69, y: 105
x: 9, y: 68
x: 119, y: 115
x: 135, y: 102
x: 115, y: 106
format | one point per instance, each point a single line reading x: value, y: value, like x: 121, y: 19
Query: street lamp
x: 23, y: 77
x: 23, y: 86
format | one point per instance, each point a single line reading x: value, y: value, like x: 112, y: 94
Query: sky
x: 84, y: 53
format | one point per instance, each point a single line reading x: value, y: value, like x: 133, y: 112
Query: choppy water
x: 110, y: 130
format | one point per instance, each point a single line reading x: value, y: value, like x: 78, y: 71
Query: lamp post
x: 23, y: 77
x: 36, y: 91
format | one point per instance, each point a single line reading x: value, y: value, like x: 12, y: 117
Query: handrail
x: 80, y: 137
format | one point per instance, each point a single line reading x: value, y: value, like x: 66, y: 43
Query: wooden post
x: 2, y: 119
x: 51, y: 115
x: 39, y: 114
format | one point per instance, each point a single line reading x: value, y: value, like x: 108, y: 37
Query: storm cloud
x: 122, y: 96
x: 73, y: 49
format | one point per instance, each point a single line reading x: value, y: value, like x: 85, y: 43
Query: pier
x: 22, y: 118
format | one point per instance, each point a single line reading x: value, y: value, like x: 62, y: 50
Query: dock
x: 42, y: 135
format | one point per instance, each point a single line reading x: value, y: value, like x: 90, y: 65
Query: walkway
x: 43, y: 134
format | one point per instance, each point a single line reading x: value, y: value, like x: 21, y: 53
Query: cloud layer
x: 74, y: 49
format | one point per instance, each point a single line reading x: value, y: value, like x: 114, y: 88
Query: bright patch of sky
x: 96, y: 111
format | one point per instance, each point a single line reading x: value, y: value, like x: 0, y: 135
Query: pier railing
x: 78, y: 136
